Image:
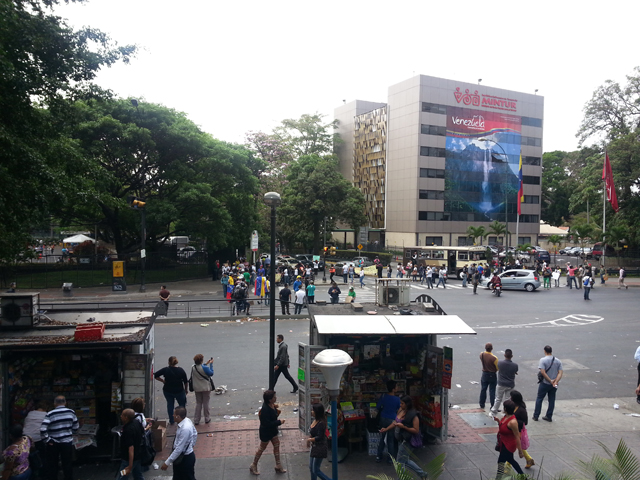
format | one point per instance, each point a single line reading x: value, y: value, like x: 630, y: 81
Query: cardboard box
x: 159, y: 438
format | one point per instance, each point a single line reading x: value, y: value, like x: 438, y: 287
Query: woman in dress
x: 16, y: 456
x: 509, y: 439
x: 523, y: 421
x: 318, y: 441
x: 268, y: 431
x: 175, y: 385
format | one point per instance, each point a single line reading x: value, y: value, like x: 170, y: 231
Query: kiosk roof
x: 392, y: 325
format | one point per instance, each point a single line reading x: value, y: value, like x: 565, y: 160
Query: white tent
x: 77, y: 239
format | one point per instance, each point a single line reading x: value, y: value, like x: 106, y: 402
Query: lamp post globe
x: 272, y: 199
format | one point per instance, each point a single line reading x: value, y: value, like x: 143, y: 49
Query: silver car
x: 520, y: 279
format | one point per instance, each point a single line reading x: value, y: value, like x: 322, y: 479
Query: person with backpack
x: 621, y: 276
x: 148, y: 453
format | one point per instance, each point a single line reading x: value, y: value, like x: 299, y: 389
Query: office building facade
x: 442, y: 155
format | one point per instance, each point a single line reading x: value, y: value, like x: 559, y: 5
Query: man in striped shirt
x: 57, y: 431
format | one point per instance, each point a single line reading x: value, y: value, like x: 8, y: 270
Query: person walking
x: 622, y: 274
x: 130, y: 442
x: 475, y: 280
x: 57, y: 430
x: 507, y: 371
x: 345, y: 272
x: 465, y: 272
x: 408, y: 427
x: 268, y: 431
x: 489, y: 377
x: 183, y: 447
x: 586, y: 284
x: 379, y: 268
x: 281, y: 364
x: 164, y: 297
x: 442, y: 277
x: 523, y: 420
x: 571, y: 276
x: 352, y: 271
x: 175, y: 386
x: 317, y: 441
x: 551, y: 370
x: 389, y: 270
x: 388, y: 405
x: 201, y: 374
x: 298, y: 302
x: 332, y: 272
x: 546, y: 275
x: 429, y: 274
x: 285, y: 296
x: 637, y: 357
x: 334, y: 292
x: 509, y: 440
x: 361, y: 275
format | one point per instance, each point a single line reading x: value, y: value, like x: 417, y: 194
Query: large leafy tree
x: 42, y: 61
x: 315, y: 190
x: 556, y: 188
x: 308, y: 135
x: 191, y: 182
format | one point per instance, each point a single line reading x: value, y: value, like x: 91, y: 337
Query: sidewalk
x: 578, y: 426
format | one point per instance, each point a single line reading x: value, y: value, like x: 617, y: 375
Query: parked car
x: 543, y: 256
x: 597, y: 251
x: 586, y: 252
x: 186, y: 252
x: 366, y: 261
x: 307, y: 260
x: 520, y: 280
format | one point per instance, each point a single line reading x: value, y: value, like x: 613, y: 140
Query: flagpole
x: 604, y: 216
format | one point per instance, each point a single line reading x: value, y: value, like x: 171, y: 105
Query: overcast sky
x: 236, y: 66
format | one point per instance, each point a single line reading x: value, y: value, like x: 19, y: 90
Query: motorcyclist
x: 495, y: 282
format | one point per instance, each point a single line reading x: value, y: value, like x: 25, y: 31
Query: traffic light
x: 136, y: 203
x: 333, y: 250
x: 325, y: 249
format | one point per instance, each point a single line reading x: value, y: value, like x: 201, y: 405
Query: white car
x: 186, y: 252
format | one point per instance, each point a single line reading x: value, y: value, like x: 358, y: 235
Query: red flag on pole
x: 607, y: 176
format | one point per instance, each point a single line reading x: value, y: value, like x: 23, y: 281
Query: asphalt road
x: 595, y: 340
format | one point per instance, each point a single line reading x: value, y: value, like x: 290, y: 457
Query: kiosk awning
x: 392, y: 325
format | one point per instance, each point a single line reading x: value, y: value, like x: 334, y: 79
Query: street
x: 595, y: 340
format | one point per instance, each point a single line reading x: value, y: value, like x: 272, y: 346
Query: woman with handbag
x: 508, y: 439
x: 202, y: 386
x: 409, y: 435
x: 16, y: 455
x: 268, y: 431
x: 317, y: 441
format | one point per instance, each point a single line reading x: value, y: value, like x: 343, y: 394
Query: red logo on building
x: 489, y: 101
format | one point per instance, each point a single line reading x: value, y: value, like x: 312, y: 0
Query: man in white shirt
x: 186, y: 437
x: 299, y: 301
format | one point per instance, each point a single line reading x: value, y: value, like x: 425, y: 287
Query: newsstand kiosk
x: 99, y: 361
x: 383, y: 347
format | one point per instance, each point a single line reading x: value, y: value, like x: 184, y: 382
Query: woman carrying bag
x: 202, y: 386
x: 508, y: 439
x: 268, y: 431
x: 317, y: 441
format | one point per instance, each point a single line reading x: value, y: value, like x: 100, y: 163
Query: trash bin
x: 67, y: 289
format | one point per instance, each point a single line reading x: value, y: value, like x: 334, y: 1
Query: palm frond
x: 382, y: 476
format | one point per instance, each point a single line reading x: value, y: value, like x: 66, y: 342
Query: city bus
x: 454, y: 258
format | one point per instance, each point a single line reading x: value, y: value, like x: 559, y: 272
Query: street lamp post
x: 324, y: 250
x: 333, y: 363
x: 272, y: 199
x: 506, y: 194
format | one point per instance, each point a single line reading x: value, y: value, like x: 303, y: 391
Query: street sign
x: 360, y: 247
x: 254, y: 241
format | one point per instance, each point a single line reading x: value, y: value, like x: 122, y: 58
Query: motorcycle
x: 496, y: 289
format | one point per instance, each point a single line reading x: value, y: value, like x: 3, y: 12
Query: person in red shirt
x: 164, y: 296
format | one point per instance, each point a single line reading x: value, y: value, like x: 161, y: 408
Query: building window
x: 433, y: 130
x: 433, y: 241
x: 431, y: 195
x: 523, y: 240
x: 531, y: 161
x: 531, y: 122
x: 432, y: 152
x: 434, y: 216
x: 432, y: 172
x: 465, y: 241
x: 531, y: 141
x: 495, y: 240
x: 434, y: 108
x: 529, y: 219
x: 532, y: 199
x: 530, y: 180
x: 377, y: 148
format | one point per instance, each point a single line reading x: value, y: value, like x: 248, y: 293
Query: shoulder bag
x: 540, y: 376
x: 206, y: 377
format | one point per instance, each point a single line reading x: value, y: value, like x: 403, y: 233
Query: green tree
x: 556, y: 241
x: 498, y: 229
x: 308, y: 135
x: 556, y: 188
x: 316, y: 189
x: 476, y: 232
x: 42, y: 62
x: 191, y: 182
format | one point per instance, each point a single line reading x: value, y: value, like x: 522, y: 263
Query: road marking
x: 575, y: 320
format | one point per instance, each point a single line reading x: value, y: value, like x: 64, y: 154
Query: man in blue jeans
x: 388, y: 406
x: 489, y: 377
x: 551, y: 370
